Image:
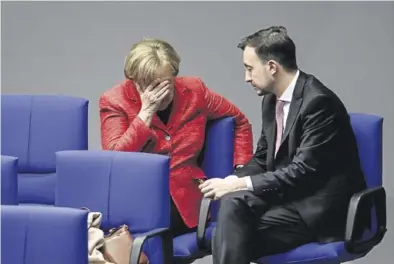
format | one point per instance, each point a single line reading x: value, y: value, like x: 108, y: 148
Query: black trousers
x: 249, y: 228
x: 177, y: 225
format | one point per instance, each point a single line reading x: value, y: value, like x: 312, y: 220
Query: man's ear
x: 272, y: 67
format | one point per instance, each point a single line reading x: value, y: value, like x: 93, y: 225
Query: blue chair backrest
x: 369, y: 135
x: 129, y: 188
x: 43, y: 235
x: 33, y: 128
x: 9, y: 180
x: 217, y: 159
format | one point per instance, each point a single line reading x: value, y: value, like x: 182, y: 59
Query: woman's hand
x: 153, y: 95
x: 151, y: 99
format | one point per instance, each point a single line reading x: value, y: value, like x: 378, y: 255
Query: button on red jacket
x: 182, y: 139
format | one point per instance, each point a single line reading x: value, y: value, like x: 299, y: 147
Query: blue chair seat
x: 185, y: 246
x: 311, y: 253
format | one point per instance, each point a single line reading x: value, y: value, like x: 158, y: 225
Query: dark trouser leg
x: 238, y: 217
x: 247, y: 228
x: 177, y: 225
x: 279, y: 230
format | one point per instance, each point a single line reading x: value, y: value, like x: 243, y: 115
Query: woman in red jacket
x: 156, y: 111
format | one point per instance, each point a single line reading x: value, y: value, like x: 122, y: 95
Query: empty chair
x: 9, y: 180
x: 126, y: 187
x: 43, y: 235
x: 33, y: 128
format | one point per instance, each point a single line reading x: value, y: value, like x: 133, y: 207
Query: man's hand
x: 216, y: 188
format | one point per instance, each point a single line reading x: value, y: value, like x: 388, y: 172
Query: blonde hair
x: 148, y: 56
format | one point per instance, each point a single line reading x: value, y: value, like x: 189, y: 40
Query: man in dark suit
x: 297, y: 187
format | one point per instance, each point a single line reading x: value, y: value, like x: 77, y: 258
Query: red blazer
x: 182, y: 138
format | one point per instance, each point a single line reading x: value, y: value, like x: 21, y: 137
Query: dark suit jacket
x: 317, y: 167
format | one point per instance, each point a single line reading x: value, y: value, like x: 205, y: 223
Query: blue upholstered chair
x: 33, y: 128
x: 368, y: 131
x: 216, y: 161
x: 9, y: 180
x: 43, y: 235
x: 127, y: 188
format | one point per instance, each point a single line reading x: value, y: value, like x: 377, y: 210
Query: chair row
x: 128, y: 188
x: 37, y: 175
x: 101, y: 181
x: 35, y: 127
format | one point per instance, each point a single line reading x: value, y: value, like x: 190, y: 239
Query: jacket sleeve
x: 118, y: 132
x: 311, y: 165
x: 218, y: 107
x: 258, y: 164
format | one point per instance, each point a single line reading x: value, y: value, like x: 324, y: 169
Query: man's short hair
x: 273, y: 43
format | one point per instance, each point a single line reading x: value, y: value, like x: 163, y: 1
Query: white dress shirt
x: 286, y: 96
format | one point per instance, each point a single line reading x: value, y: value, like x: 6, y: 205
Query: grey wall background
x: 78, y: 48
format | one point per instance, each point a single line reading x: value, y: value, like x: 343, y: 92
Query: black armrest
x: 359, y: 210
x: 202, y: 224
x: 166, y: 239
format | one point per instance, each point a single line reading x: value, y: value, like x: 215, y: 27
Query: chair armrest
x: 166, y: 239
x: 360, y: 204
x: 202, y: 223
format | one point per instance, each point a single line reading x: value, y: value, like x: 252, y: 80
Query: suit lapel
x: 295, y: 105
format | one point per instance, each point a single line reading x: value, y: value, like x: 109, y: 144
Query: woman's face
x: 166, y: 73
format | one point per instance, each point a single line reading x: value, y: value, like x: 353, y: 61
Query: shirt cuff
x: 248, y: 181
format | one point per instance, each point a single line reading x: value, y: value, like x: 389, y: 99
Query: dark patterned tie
x: 279, y: 123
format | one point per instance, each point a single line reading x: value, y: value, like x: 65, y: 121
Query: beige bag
x: 96, y: 239
x: 118, y: 245
x: 114, y: 248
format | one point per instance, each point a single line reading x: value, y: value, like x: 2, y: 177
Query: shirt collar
x: 288, y: 94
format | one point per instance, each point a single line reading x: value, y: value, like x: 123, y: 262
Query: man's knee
x: 244, y: 202
x: 235, y: 195
x: 230, y: 202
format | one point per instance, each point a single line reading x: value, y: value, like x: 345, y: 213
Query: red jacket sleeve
x: 118, y: 132
x: 219, y: 107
